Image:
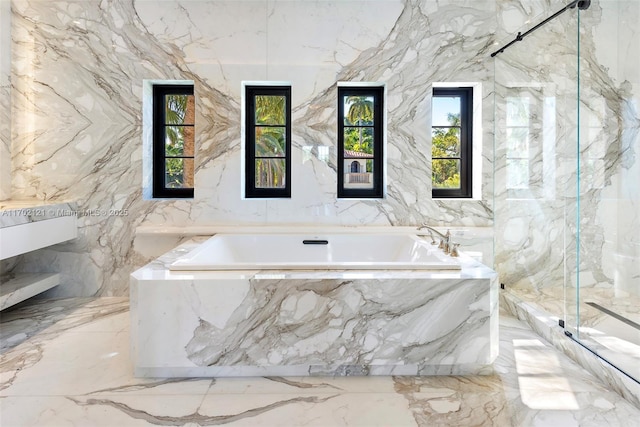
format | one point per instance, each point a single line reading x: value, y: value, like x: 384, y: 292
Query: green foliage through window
x: 268, y: 132
x: 445, y: 144
x: 179, y: 112
x: 451, y: 142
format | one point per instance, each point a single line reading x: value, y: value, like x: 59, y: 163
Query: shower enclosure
x: 567, y: 171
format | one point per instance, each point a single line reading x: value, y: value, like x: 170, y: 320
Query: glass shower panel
x: 535, y: 158
x: 608, y: 274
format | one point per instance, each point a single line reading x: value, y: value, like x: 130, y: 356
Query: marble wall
x: 77, y: 74
x: 78, y: 69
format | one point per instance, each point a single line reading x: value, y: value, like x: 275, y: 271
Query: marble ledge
x: 23, y: 286
x: 18, y: 212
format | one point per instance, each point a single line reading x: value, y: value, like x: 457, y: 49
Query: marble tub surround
x: 532, y: 384
x: 322, y: 322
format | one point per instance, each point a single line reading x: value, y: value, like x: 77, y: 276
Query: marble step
x: 25, y: 286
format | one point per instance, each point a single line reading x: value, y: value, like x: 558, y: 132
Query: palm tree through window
x: 268, y: 141
x: 174, y: 141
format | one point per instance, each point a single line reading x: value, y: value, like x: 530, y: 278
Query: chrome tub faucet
x: 447, y: 246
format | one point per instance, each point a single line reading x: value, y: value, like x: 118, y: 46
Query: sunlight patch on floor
x: 541, y: 381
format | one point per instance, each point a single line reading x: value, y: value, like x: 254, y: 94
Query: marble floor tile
x: 337, y: 409
x: 302, y: 385
x: 42, y: 317
x: 57, y: 411
x: 71, y: 368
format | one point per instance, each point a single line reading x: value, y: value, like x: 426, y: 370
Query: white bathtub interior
x: 313, y: 251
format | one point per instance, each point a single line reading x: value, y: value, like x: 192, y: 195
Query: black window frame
x: 160, y: 190
x: 466, y: 144
x: 251, y: 191
x: 377, y: 191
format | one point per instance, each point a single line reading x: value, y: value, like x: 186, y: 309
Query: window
x: 173, y: 141
x: 268, y: 141
x: 360, y: 139
x: 451, y: 130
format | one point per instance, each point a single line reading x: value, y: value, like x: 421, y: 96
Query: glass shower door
x: 535, y: 166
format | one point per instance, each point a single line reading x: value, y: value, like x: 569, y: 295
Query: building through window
x: 360, y: 141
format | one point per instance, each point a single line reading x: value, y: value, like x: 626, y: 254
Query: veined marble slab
x: 339, y: 323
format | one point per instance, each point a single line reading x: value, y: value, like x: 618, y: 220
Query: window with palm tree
x: 268, y: 141
x: 360, y: 141
x: 174, y: 138
x: 451, y: 142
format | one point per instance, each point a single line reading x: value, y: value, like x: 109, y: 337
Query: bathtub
x: 314, y: 251
x: 247, y: 305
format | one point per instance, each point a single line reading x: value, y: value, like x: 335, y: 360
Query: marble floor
x: 66, y: 363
